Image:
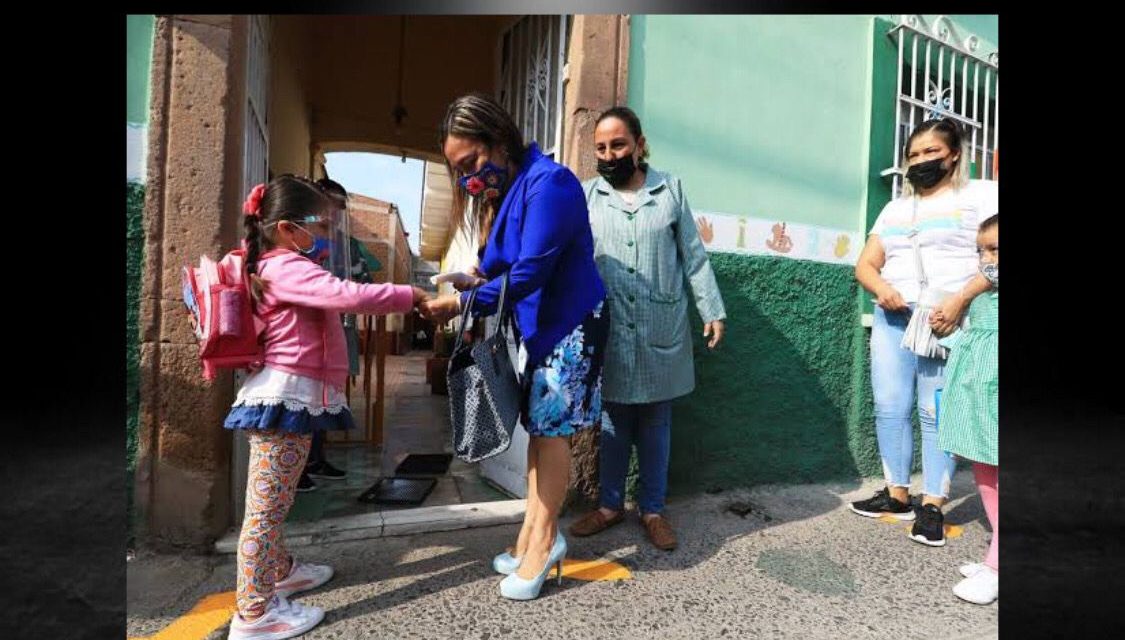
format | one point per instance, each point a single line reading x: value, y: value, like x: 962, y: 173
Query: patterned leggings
x: 276, y: 461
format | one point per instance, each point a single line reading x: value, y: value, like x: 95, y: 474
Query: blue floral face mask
x: 487, y: 181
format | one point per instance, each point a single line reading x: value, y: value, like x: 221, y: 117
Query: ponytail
x: 253, y: 227
x: 252, y: 224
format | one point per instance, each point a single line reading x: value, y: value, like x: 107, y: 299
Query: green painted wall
x: 768, y: 116
x: 987, y: 27
x: 786, y: 399
x: 134, y: 246
x: 138, y: 63
x: 760, y: 115
x: 884, y: 84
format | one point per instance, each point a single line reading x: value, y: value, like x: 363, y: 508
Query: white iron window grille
x: 256, y: 132
x: 939, y: 77
x: 533, y: 53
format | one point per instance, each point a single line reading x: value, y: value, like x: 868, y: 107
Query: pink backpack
x: 217, y: 296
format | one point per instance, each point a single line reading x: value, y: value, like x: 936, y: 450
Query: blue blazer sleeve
x: 553, y: 212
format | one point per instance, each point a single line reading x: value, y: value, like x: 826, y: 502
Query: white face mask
x: 991, y: 272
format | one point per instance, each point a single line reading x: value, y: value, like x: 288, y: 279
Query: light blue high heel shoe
x: 514, y: 587
x: 505, y: 563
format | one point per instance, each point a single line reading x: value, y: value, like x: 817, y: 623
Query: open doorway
x: 358, y: 99
x: 399, y: 456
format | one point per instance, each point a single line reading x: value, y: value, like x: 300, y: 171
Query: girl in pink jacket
x: 299, y: 390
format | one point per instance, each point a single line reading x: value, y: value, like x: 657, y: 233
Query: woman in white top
x: 940, y: 208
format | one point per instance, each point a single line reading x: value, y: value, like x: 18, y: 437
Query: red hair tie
x: 253, y: 205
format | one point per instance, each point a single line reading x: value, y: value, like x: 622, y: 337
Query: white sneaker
x: 983, y: 587
x: 282, y: 619
x: 303, y: 576
x: 971, y: 569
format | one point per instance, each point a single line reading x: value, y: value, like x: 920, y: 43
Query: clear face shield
x: 339, y: 258
x: 331, y: 235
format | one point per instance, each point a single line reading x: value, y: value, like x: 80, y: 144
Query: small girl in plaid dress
x: 968, y: 425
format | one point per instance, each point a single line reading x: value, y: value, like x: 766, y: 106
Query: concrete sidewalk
x: 798, y: 564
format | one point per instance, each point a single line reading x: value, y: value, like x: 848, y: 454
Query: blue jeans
x: 649, y: 427
x: 896, y: 376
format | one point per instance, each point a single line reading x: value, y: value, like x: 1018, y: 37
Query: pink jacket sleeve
x: 301, y: 282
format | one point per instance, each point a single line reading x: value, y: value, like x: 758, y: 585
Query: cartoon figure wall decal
x: 780, y: 242
x: 706, y: 229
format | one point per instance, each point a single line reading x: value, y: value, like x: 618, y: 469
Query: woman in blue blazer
x: 532, y: 220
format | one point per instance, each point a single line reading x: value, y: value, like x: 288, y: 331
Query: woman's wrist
x: 880, y: 289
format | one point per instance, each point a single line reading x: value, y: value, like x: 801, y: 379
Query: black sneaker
x: 929, y: 528
x: 882, y: 504
x: 326, y: 471
x: 305, y: 484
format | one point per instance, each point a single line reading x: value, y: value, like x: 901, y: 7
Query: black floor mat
x: 409, y: 491
x: 424, y: 464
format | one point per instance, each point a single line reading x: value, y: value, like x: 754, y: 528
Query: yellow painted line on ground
x: 215, y: 610
x: 951, y: 530
x: 954, y: 530
x: 212, y: 612
x: 593, y: 570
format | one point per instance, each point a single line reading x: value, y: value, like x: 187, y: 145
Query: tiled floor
x: 416, y: 422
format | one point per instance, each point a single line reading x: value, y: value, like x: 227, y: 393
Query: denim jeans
x: 897, y: 377
x: 649, y: 427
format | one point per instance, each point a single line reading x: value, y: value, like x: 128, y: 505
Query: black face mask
x: 617, y: 172
x: 926, y: 174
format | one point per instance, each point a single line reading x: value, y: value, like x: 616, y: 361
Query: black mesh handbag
x: 484, y: 393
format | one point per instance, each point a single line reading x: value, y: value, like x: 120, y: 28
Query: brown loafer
x: 660, y: 533
x: 594, y: 522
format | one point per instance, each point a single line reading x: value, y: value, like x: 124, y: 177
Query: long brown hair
x: 480, y: 117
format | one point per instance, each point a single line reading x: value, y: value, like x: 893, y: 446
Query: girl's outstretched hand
x: 440, y: 310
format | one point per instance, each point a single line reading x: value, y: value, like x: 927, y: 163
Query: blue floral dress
x: 563, y: 394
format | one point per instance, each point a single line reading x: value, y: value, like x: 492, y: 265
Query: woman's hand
x: 947, y: 316
x: 890, y: 299
x: 462, y: 280
x: 868, y: 270
x: 473, y: 280
x: 440, y: 310
x: 945, y: 319
x: 715, y: 329
x: 473, y: 272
